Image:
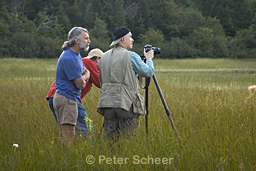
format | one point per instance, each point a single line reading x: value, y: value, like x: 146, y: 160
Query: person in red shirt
x: 84, y: 125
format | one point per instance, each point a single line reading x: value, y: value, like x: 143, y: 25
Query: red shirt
x: 94, y: 78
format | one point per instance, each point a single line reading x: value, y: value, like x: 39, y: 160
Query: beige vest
x: 119, y: 84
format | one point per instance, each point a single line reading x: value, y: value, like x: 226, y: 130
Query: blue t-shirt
x: 69, y: 67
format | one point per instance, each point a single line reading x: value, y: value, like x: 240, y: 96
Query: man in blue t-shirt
x: 71, y: 78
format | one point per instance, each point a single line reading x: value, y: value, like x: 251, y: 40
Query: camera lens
x: 156, y: 50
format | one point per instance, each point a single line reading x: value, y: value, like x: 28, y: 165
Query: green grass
x: 206, y: 98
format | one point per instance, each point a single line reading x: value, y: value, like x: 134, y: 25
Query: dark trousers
x: 119, y: 122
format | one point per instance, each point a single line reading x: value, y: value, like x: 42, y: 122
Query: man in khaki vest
x: 120, y: 102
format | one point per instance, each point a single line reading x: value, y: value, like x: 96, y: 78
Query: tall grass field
x: 207, y: 98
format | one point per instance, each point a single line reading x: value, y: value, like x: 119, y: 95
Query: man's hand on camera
x: 149, y: 54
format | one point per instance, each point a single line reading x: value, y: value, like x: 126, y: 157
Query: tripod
x: 147, y: 82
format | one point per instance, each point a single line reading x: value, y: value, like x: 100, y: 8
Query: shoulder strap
x: 110, y: 62
x: 124, y: 65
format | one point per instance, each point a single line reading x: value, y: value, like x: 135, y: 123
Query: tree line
x: 181, y: 28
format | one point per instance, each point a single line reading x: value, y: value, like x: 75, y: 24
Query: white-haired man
x: 120, y: 102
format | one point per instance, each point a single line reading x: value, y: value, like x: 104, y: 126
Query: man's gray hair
x: 75, y: 32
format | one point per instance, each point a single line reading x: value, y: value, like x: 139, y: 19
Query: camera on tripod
x: 148, y: 48
x: 147, y: 81
x: 155, y: 49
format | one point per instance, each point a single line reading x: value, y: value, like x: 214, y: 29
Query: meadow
x: 207, y: 99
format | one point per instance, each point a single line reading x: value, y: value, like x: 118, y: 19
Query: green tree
x: 59, y: 30
x: 4, y: 3
x: 152, y: 36
x: 21, y: 23
x: 209, y: 44
x: 23, y: 45
x: 47, y: 47
x: 22, y: 37
x: 4, y: 33
x: 74, y: 14
x: 181, y: 28
x: 89, y: 15
x: 247, y: 39
x: 62, y: 16
x: 233, y: 14
x: 165, y: 17
x: 180, y: 49
x: 139, y: 18
x: 114, y: 14
x: 202, y: 39
x: 99, y: 35
x: 192, y: 20
x: 44, y: 23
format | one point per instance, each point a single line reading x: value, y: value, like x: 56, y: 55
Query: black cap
x: 118, y: 34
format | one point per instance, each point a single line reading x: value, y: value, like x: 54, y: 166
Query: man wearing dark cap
x: 120, y: 102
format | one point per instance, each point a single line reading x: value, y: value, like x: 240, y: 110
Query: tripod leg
x: 166, y: 108
x: 146, y: 104
x: 147, y: 81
